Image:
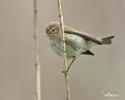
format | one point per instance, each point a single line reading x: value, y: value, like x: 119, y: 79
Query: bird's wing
x: 83, y: 35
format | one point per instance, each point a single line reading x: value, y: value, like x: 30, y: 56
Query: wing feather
x: 83, y: 35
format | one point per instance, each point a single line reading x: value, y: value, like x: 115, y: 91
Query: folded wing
x: 84, y: 36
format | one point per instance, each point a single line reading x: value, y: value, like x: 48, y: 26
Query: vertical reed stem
x: 66, y: 75
x: 36, y: 54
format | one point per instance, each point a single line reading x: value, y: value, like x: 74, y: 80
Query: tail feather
x: 107, y: 40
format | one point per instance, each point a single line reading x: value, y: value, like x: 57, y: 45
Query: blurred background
x: 101, y: 77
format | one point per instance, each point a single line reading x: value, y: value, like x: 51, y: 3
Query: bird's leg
x: 74, y: 58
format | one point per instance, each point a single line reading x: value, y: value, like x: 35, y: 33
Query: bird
x: 77, y: 42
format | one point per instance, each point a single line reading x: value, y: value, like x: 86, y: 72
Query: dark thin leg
x: 74, y: 58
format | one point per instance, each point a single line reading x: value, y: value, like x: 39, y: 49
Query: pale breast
x: 75, y: 45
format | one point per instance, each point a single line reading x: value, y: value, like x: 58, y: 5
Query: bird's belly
x: 70, y: 51
x: 75, y: 46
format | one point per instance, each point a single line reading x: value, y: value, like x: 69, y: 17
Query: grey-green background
x: 89, y: 76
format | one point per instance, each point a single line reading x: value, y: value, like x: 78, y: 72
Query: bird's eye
x: 53, y: 30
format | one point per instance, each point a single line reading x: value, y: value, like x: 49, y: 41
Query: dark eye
x: 53, y: 30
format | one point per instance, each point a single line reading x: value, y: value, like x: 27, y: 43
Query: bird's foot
x: 65, y: 72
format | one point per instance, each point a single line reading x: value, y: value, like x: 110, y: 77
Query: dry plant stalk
x: 37, y: 57
x: 64, y: 51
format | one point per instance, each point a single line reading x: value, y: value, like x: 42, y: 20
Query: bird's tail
x: 107, y: 40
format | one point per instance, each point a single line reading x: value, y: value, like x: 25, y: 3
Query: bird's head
x: 53, y: 29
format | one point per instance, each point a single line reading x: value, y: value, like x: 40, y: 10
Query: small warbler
x: 76, y: 42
